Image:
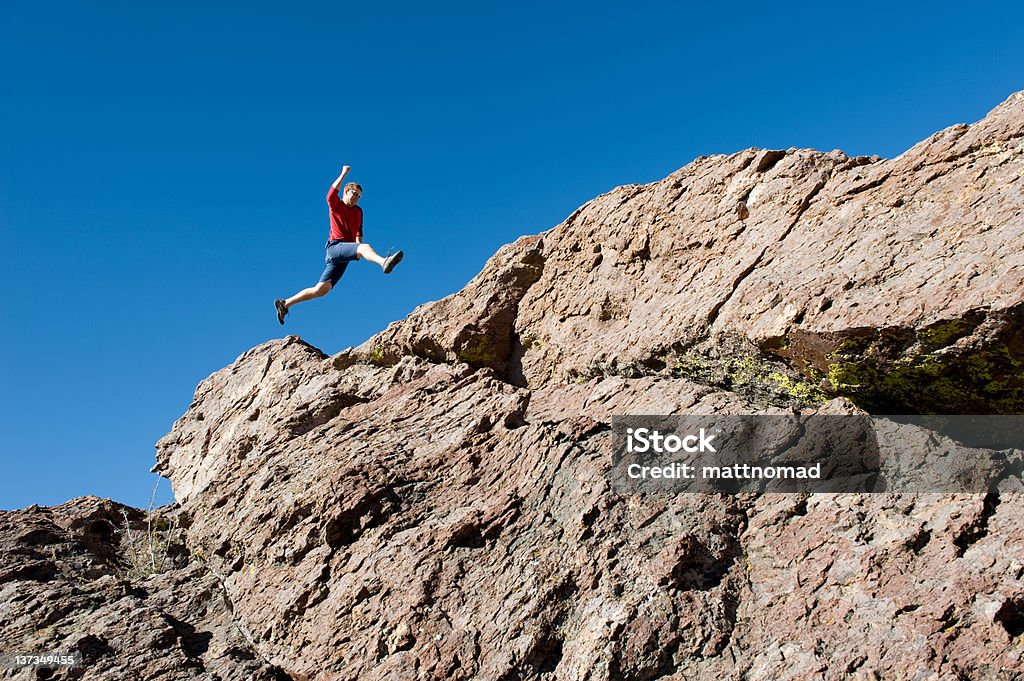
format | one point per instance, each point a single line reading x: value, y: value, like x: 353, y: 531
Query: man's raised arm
x: 341, y: 178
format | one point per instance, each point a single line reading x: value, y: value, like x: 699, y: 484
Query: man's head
x: 352, y: 193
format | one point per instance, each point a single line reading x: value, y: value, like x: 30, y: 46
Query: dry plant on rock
x: 149, y: 549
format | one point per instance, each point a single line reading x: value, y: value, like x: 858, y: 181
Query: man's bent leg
x: 366, y: 251
x: 321, y: 289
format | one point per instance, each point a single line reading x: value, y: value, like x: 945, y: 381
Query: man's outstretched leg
x: 318, y: 291
x: 387, y: 264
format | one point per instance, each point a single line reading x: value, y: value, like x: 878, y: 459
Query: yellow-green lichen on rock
x: 478, y: 351
x: 749, y: 372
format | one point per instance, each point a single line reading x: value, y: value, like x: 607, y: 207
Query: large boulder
x: 436, y: 503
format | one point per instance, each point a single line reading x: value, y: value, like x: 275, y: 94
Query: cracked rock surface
x: 455, y: 526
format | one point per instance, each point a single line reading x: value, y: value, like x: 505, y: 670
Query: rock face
x: 897, y: 283
x: 435, y: 503
x: 69, y: 583
x: 446, y: 524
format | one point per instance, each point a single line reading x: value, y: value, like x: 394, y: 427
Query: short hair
x: 353, y: 185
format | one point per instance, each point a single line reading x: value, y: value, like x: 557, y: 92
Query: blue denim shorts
x: 339, y: 255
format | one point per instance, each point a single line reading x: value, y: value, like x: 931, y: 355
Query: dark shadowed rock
x: 67, y: 585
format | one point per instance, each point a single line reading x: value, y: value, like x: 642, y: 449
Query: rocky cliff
x: 435, y: 503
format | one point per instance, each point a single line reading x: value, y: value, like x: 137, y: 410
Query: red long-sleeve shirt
x: 346, y: 221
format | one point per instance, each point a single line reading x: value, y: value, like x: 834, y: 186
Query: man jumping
x: 345, y: 244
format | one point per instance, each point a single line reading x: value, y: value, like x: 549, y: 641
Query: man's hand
x: 344, y: 170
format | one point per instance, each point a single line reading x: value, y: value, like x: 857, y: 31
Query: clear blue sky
x: 163, y: 167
